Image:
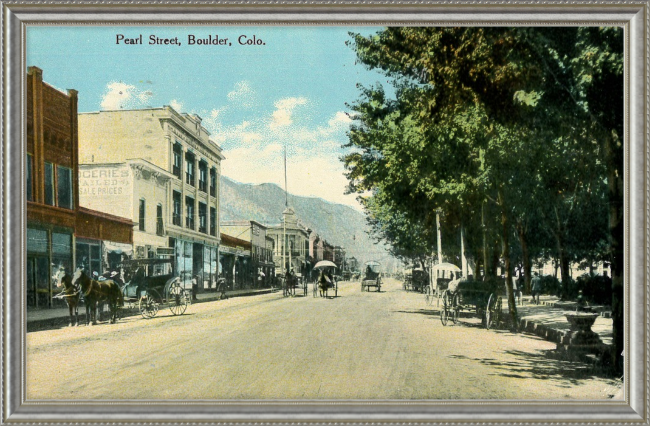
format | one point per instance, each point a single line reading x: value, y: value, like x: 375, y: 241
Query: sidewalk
x: 547, y: 321
x: 49, y: 318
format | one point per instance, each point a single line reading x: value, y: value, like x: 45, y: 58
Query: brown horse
x: 98, y: 291
x: 71, y: 294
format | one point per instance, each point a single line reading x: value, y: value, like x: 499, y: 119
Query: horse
x: 98, y: 291
x: 323, y: 284
x: 290, y: 285
x: 70, y: 293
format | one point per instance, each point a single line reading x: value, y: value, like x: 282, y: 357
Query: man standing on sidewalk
x: 536, y: 288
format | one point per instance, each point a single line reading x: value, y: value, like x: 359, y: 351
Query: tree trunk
x: 614, y: 156
x: 564, y: 266
x: 512, y: 306
x: 526, y: 257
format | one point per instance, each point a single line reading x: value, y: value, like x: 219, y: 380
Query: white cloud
x: 339, y: 120
x: 243, y: 95
x: 283, y: 115
x: 120, y: 95
x: 178, y: 106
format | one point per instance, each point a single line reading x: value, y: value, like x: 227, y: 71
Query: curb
x: 63, y: 321
x: 598, y: 359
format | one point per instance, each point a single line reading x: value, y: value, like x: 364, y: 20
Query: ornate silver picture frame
x: 631, y: 404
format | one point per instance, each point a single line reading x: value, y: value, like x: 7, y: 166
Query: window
x: 49, y: 184
x: 203, y: 218
x: 189, y: 212
x: 30, y: 182
x: 213, y: 181
x: 64, y: 187
x: 178, y: 162
x: 159, y: 220
x: 213, y: 221
x: 141, y: 215
x: 189, y: 171
x: 176, y: 219
x: 203, y: 176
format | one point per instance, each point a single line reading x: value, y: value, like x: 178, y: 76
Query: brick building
x: 55, y: 224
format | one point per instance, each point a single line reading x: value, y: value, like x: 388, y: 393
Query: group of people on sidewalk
x: 535, y: 288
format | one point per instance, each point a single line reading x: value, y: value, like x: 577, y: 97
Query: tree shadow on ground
x: 540, y: 364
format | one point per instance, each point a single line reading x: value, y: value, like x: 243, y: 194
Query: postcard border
x: 634, y: 16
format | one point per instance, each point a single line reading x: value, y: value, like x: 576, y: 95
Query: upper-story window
x: 203, y: 218
x: 30, y: 180
x: 176, y: 218
x: 189, y: 212
x: 142, y: 214
x: 159, y: 220
x: 189, y: 169
x: 64, y: 187
x: 203, y: 176
x: 213, y: 221
x: 178, y: 160
x: 213, y: 182
x: 49, y: 184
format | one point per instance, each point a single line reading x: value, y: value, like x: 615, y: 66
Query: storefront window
x: 36, y: 240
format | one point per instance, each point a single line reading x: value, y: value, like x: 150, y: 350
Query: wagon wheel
x: 493, y: 312
x: 455, y: 308
x: 149, y: 304
x: 304, y: 288
x: 285, y: 288
x: 444, y: 311
x: 315, y: 289
x: 177, y: 300
x: 428, y: 296
x: 336, y: 289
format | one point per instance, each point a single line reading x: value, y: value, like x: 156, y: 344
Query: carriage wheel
x: 492, y: 312
x: 444, y: 310
x: 428, y: 296
x: 177, y: 300
x: 304, y: 288
x: 148, y: 305
x: 315, y: 289
x: 455, y: 306
x: 336, y: 290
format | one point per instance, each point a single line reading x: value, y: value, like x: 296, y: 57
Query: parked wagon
x: 372, y: 276
x: 153, y: 284
x: 484, y: 298
x: 293, y: 283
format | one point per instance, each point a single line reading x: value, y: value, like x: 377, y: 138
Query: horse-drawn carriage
x: 441, y: 275
x: 153, y: 284
x: 417, y: 280
x: 326, y: 279
x: 291, y: 282
x: 482, y: 297
x: 372, y: 276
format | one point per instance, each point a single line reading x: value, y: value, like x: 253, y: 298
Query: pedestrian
x: 536, y: 287
x: 195, y: 286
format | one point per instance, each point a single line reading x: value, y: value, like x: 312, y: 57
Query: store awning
x: 121, y: 248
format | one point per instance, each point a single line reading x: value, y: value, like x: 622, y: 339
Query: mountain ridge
x: 338, y: 224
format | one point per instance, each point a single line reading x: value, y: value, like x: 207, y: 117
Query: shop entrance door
x: 38, y: 282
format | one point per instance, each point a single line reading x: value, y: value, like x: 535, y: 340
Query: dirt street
x: 359, y: 345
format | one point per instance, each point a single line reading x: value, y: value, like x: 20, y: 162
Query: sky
x: 289, y: 87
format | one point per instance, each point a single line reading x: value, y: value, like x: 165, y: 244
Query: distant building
x: 59, y: 232
x: 261, y: 256
x: 296, y: 248
x: 235, y: 261
x: 172, y: 155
